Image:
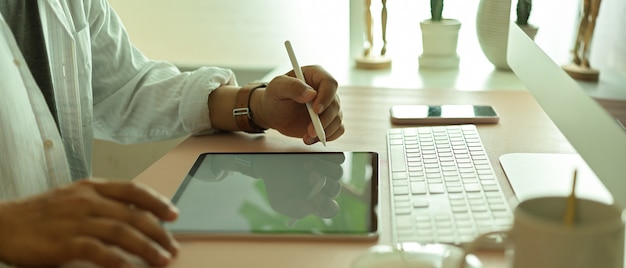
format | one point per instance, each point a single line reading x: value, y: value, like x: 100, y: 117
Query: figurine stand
x: 582, y: 73
x: 373, y: 62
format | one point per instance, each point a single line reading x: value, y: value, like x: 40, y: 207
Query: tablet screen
x: 287, y: 195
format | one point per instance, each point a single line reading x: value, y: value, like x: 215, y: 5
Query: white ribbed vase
x: 492, y: 29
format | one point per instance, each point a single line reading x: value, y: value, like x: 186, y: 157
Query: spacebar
x: 398, y: 159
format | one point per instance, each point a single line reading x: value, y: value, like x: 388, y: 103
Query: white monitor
x: 596, y: 136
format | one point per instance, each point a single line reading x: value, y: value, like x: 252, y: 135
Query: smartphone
x: 444, y: 114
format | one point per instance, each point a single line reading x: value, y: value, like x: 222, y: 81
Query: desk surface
x: 523, y: 127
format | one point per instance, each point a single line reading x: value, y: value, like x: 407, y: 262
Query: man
x: 68, y: 73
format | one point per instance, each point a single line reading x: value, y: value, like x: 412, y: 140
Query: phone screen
x: 416, y: 114
x: 460, y: 111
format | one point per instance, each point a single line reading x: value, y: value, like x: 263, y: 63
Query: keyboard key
x: 418, y: 188
x: 397, y: 159
x: 400, y: 190
x: 436, y: 188
x: 472, y: 187
x: 420, y: 203
x: 400, y: 182
x: 399, y: 175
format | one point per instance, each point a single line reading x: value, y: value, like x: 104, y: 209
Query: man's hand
x: 85, y: 221
x: 281, y: 107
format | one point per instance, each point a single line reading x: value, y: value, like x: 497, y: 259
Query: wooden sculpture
x: 580, y: 67
x: 369, y: 60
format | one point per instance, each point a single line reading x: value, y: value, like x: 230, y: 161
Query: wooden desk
x: 523, y: 127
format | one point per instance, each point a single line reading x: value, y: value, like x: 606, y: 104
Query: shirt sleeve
x: 138, y: 99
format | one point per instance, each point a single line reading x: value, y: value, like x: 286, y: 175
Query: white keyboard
x: 443, y: 189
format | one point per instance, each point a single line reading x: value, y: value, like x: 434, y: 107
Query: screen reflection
x: 322, y: 192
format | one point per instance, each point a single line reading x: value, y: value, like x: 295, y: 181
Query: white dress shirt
x: 104, y: 88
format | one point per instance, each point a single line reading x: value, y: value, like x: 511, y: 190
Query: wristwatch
x: 242, y: 112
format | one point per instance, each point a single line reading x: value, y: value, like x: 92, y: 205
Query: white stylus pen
x: 317, y: 124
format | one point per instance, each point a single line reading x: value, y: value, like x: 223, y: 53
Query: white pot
x: 439, y: 43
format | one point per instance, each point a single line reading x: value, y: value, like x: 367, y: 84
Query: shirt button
x: 48, y: 144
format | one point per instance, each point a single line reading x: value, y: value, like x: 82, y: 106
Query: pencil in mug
x: 570, y: 209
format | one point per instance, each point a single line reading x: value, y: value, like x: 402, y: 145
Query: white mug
x: 540, y: 237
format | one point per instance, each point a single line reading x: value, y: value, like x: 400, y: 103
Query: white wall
x: 241, y: 33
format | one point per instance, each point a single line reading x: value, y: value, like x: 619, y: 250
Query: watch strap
x: 242, y: 112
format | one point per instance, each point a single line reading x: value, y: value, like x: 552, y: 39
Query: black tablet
x: 290, y: 195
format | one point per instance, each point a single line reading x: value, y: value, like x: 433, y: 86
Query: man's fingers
x: 121, y: 207
x: 325, y: 84
x: 139, y: 196
x: 123, y: 235
x: 139, y: 219
x: 335, y: 129
x: 94, y: 251
x: 135, y: 205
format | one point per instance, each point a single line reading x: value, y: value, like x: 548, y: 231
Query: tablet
x: 286, y: 195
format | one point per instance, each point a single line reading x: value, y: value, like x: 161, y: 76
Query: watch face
x: 314, y: 194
